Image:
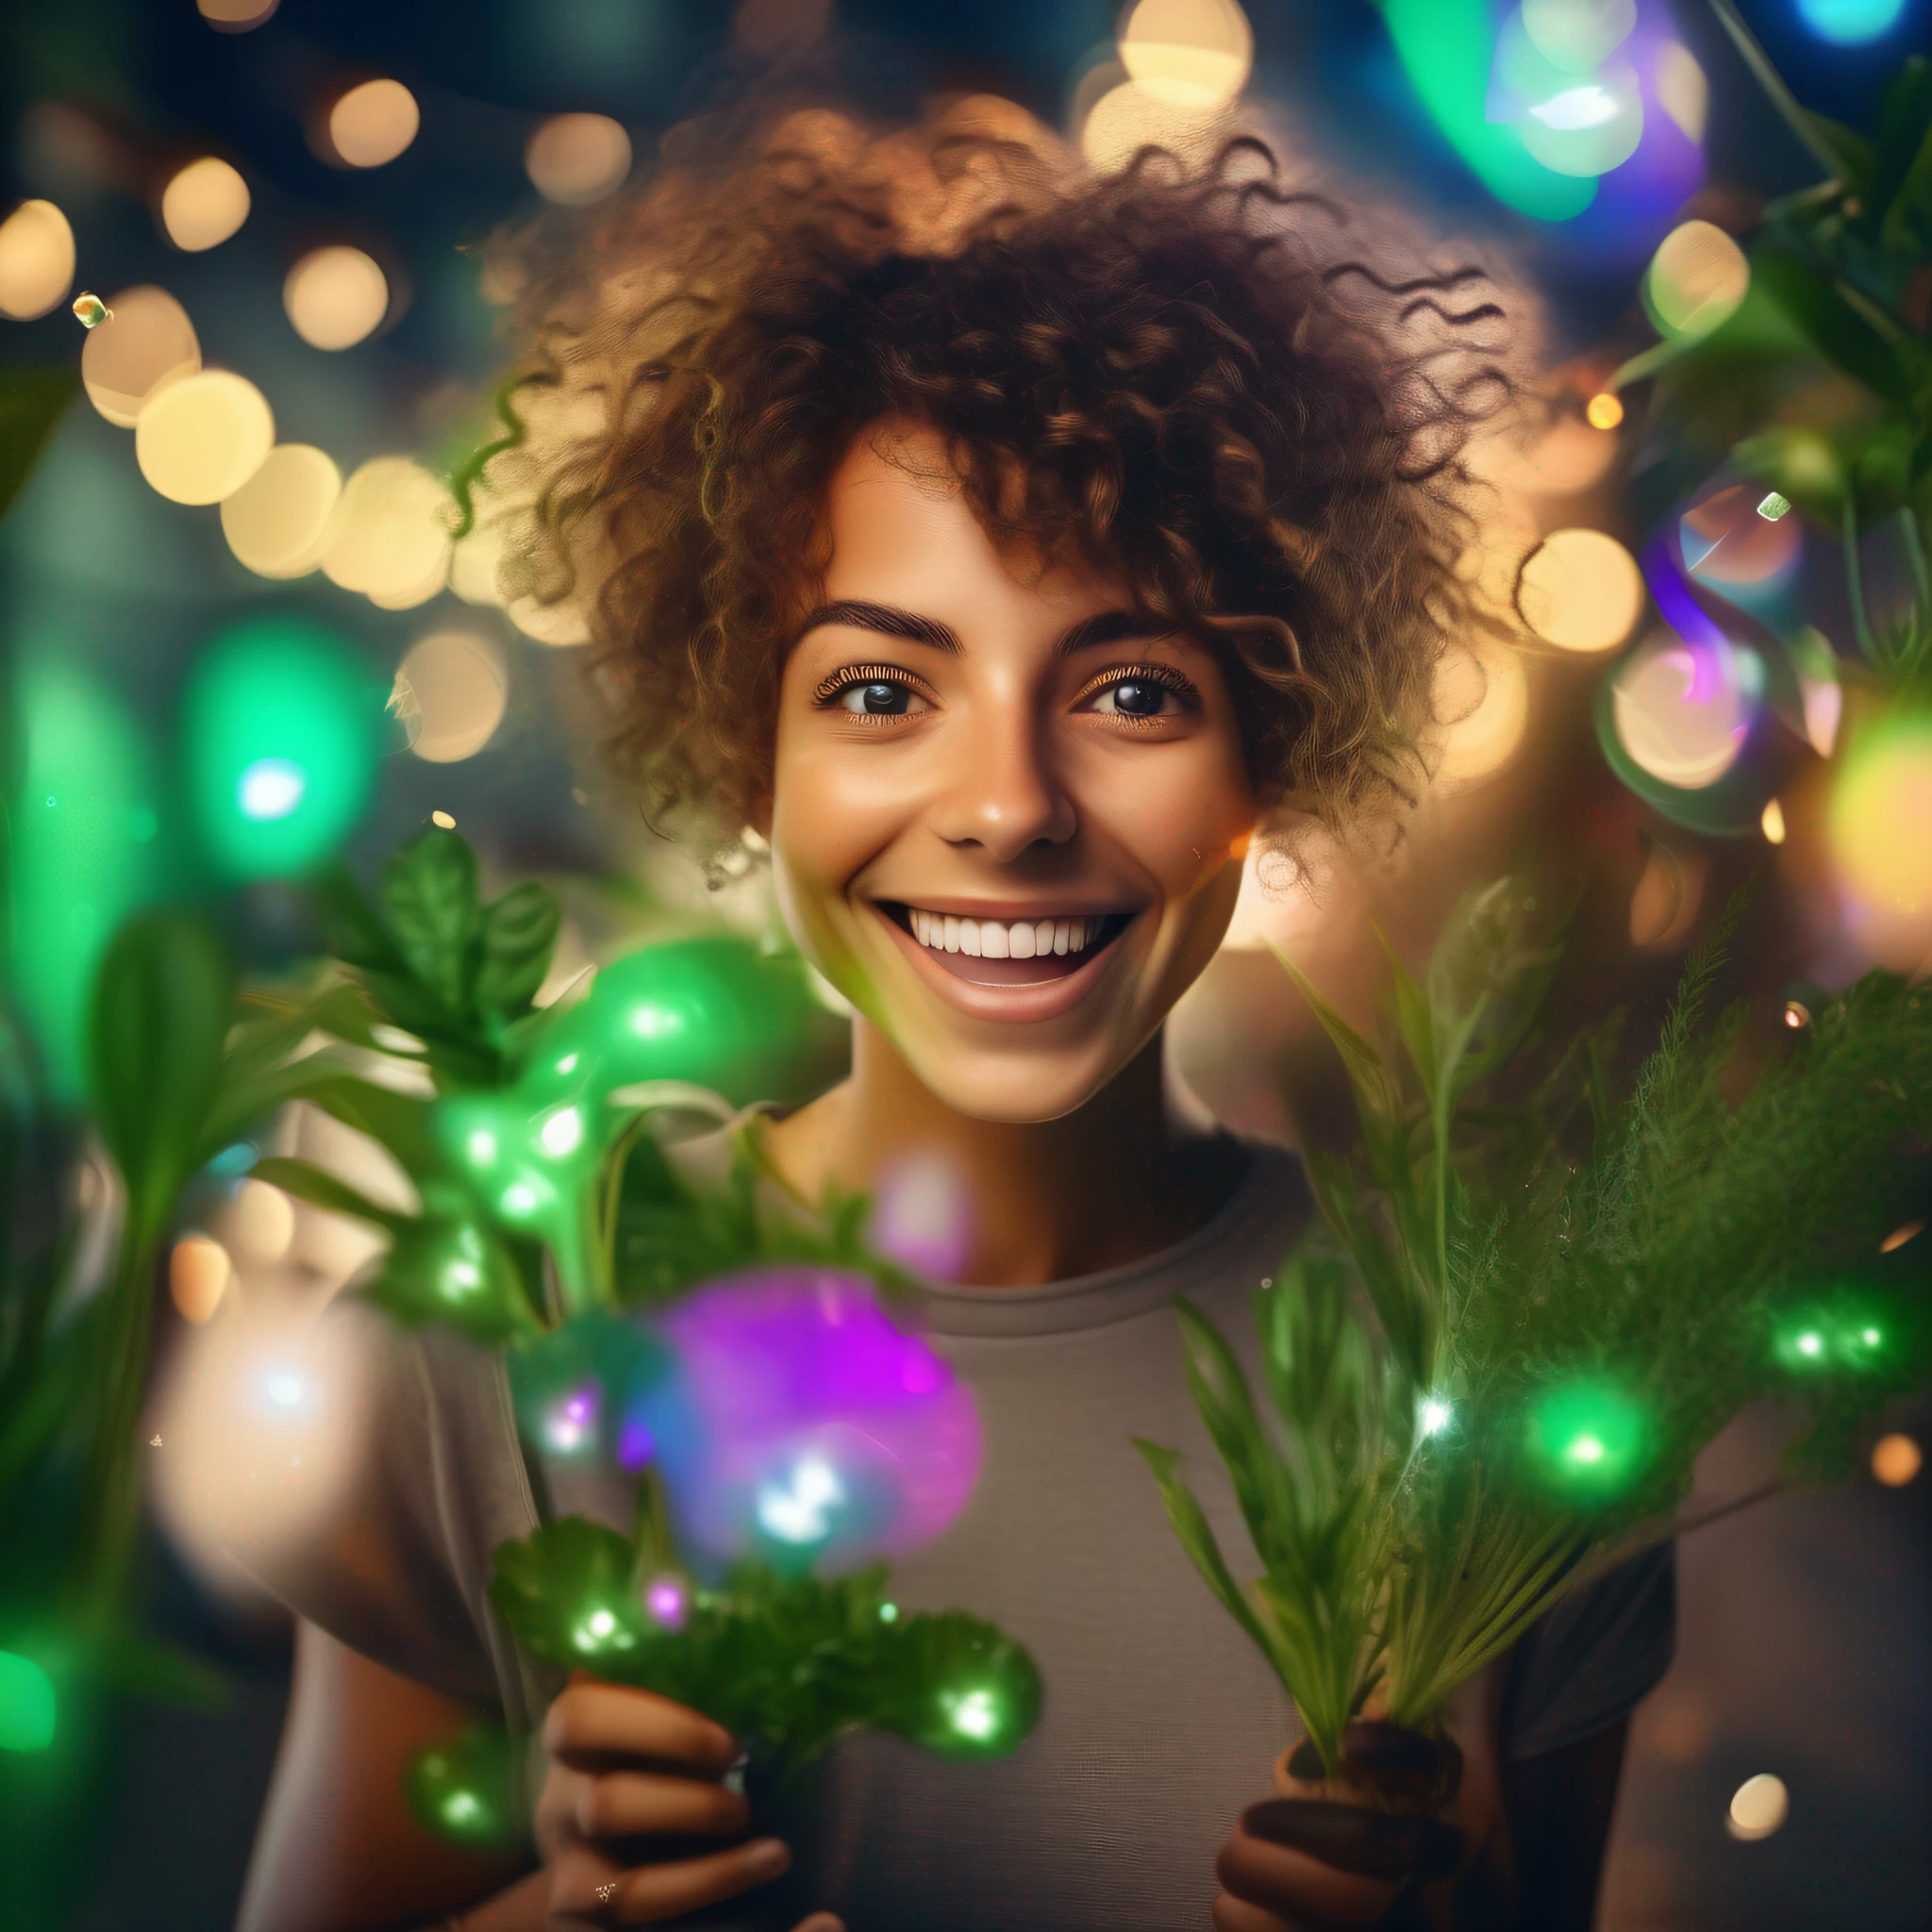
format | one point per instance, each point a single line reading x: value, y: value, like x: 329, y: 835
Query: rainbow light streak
x: 803, y: 1426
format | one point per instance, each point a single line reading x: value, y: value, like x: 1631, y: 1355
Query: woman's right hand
x: 624, y: 1763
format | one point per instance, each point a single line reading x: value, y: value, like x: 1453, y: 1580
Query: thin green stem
x: 1772, y: 82
x: 1915, y: 555
x: 1645, y: 364
x: 1855, y: 582
x: 111, y: 1505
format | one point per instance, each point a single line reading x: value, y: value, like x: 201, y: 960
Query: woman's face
x: 1007, y: 823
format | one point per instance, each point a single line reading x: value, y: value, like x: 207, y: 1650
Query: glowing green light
x: 602, y: 1630
x: 78, y: 866
x: 481, y: 1148
x: 888, y: 1613
x: 1449, y: 49
x: 1843, y: 1338
x: 520, y: 1200
x: 1433, y: 1415
x: 1587, y: 1437
x: 281, y: 727
x: 562, y: 1133
x: 974, y: 1715
x: 1773, y: 507
x: 26, y: 1704
x: 462, y: 1810
x: 713, y: 1011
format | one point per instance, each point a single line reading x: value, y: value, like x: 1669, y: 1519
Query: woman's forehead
x: 900, y: 521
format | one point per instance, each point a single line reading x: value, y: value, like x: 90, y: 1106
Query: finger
x: 1290, y: 1883
x: 592, y: 1719
x: 662, y: 1891
x: 624, y: 1801
x: 1233, y: 1914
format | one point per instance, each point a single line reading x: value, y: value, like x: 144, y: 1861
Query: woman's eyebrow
x: 885, y: 620
x: 1112, y: 628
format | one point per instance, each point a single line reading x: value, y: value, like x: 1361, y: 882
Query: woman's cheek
x: 1185, y: 819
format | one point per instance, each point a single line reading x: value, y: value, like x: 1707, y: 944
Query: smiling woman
x: 1005, y: 550
x: 975, y: 752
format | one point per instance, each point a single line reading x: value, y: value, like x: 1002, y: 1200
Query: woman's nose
x: 1002, y: 795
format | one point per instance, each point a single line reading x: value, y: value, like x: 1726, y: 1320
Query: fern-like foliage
x: 1541, y: 1343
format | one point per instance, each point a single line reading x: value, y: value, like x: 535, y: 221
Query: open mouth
x: 1008, y: 952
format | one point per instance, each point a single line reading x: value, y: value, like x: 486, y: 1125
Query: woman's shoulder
x: 396, y: 1563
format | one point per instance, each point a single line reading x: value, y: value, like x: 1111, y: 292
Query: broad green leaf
x: 518, y: 936
x: 399, y: 1122
x: 1843, y: 335
x: 429, y: 903
x: 355, y: 935
x: 320, y: 1189
x: 161, y: 1006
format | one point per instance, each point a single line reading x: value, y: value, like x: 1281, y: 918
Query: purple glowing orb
x: 804, y: 1427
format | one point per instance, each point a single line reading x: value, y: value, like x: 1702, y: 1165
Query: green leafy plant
x: 547, y: 1218
x: 786, y: 1663
x: 1552, y: 1303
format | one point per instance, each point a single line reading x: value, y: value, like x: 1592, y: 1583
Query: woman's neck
x: 1120, y: 1178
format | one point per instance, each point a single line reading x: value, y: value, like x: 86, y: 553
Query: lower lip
x: 1040, y: 999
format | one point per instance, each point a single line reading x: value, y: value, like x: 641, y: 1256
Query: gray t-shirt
x: 1160, y: 1720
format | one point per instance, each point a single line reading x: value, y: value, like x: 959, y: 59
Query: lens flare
x: 450, y: 693
x: 263, y: 1414
x: 36, y: 260
x: 1879, y: 820
x: 28, y: 1708
x: 335, y: 297
x: 1697, y: 278
x: 280, y: 730
x: 1192, y: 53
x: 282, y: 521
x: 1588, y: 1439
x: 1730, y: 544
x: 1851, y: 22
x: 391, y: 540
x: 804, y: 1425
x: 1759, y: 1806
x: 146, y: 342
x: 371, y: 125
x: 203, y: 203
x: 576, y: 160
x: 201, y: 439
x: 1580, y: 591
x: 923, y: 1217
x: 1896, y: 1459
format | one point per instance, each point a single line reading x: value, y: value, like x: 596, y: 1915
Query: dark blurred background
x: 1806, y: 1653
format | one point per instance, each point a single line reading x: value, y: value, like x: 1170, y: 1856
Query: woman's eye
x: 876, y: 699
x: 1136, y: 697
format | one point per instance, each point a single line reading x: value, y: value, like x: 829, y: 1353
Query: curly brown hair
x: 1191, y: 379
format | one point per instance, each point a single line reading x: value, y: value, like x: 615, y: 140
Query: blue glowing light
x: 1850, y: 22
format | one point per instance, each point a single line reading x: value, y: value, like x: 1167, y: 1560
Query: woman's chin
x: 1019, y: 1086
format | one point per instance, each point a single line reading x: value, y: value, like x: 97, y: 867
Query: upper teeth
x: 1002, y: 939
